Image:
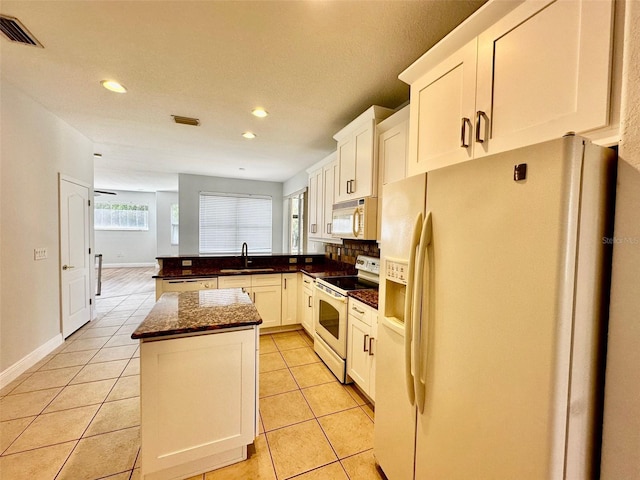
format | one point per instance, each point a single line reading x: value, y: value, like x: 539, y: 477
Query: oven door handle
x: 337, y: 299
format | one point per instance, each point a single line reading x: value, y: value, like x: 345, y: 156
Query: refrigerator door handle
x: 408, y: 325
x: 420, y: 315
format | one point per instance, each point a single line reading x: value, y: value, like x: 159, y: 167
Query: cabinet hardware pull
x: 464, y: 143
x: 479, y: 116
x: 364, y: 347
x: 309, y: 302
x: 371, y: 346
x: 328, y: 227
x: 361, y: 312
x: 285, y: 283
x: 353, y: 185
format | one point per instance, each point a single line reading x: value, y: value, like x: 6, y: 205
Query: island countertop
x: 197, y: 311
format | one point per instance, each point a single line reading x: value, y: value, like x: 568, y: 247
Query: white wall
x: 129, y: 248
x: 35, y: 147
x: 621, y: 442
x: 164, y: 200
x: 190, y: 186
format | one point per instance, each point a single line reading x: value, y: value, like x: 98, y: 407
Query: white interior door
x: 75, y: 257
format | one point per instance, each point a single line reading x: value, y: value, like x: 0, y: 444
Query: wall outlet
x: 40, y: 253
x: 308, y: 260
x: 293, y: 260
x: 186, y: 263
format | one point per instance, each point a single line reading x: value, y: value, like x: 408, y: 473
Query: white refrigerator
x: 493, y: 301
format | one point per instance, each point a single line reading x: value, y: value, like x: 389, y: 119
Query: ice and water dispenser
x: 395, y: 283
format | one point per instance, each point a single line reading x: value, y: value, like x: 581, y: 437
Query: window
x: 228, y: 220
x: 175, y: 223
x: 121, y: 216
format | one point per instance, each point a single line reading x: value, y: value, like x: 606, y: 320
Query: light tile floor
x: 76, y: 415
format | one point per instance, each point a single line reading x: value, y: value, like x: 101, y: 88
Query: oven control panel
x: 368, y: 264
x: 397, y: 271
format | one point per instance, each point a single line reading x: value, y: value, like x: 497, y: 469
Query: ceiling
x: 314, y: 65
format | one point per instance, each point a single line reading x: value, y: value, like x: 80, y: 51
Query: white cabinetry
x: 543, y: 69
x: 306, y: 304
x: 361, y: 345
x: 315, y: 204
x: 198, y: 402
x: 393, y: 147
x: 264, y: 290
x: 321, y: 198
x: 290, y: 298
x: 357, y: 162
x: 329, y: 178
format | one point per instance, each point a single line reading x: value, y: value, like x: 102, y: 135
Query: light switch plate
x: 40, y: 253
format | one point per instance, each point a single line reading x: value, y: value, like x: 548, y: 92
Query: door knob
x: 67, y: 267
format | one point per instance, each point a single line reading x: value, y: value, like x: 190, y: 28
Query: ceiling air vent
x: 186, y: 120
x: 16, y: 32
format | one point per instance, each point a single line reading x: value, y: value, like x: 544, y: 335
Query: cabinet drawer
x: 360, y: 311
x: 273, y: 279
x: 236, y: 281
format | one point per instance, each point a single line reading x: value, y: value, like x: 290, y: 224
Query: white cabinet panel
x: 290, y: 298
x: 329, y: 182
x: 361, y: 345
x: 306, y: 304
x: 315, y: 204
x: 198, y: 399
x: 543, y: 70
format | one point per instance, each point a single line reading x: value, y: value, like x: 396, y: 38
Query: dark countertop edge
x: 180, y: 331
x: 215, y: 272
x: 251, y: 255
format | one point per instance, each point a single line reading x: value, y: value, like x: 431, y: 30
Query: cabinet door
x: 329, y: 176
x: 365, y: 173
x: 358, y: 352
x: 544, y: 70
x: 289, y: 298
x: 373, y: 350
x: 315, y: 203
x: 392, y: 153
x: 268, y: 302
x: 346, y: 167
x: 307, y: 316
x: 441, y: 113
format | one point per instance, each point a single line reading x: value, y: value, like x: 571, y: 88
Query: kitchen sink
x: 246, y: 270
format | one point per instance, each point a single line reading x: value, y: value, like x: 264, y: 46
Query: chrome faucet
x: 245, y: 254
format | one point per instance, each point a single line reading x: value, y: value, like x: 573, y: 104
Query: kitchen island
x: 198, y: 373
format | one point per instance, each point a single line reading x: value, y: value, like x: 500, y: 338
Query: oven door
x: 331, y: 320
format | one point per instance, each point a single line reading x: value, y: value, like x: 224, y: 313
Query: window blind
x: 228, y: 220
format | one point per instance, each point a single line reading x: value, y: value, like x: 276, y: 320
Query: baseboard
x: 21, y: 366
x: 128, y: 265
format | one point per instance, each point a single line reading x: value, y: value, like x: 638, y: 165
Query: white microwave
x: 355, y: 219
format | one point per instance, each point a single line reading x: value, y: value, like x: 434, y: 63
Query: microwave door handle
x: 420, y: 314
x: 415, y: 240
x: 355, y: 222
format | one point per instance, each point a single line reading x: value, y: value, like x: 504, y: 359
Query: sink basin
x: 246, y: 270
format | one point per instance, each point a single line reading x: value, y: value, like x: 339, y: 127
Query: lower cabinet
x: 306, y: 305
x: 185, y: 285
x: 290, y: 298
x: 265, y: 291
x: 199, y: 402
x: 361, y: 345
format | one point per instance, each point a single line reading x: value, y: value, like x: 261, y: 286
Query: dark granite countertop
x: 315, y: 270
x: 368, y: 297
x: 198, y: 311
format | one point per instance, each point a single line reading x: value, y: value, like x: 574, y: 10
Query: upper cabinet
x: 526, y: 75
x: 393, y: 147
x: 357, y: 165
x: 315, y: 203
x: 321, y: 197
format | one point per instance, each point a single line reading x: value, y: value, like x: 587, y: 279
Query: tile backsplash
x: 350, y: 249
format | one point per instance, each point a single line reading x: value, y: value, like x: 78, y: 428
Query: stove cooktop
x: 350, y: 282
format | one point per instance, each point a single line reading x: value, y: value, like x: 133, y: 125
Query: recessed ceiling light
x: 241, y: 169
x: 259, y: 112
x: 249, y: 135
x: 113, y: 86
